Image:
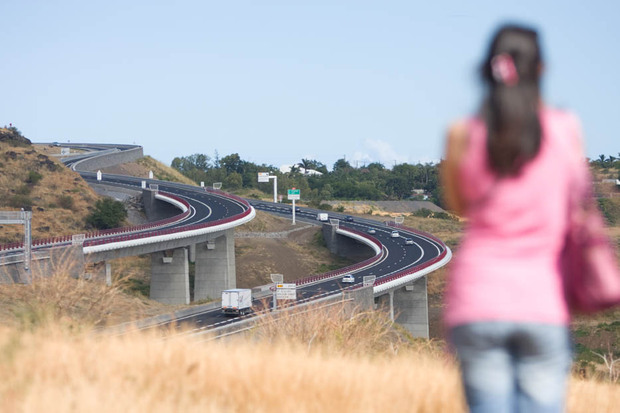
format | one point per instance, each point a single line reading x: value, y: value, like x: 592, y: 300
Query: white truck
x: 237, y: 301
x: 322, y: 217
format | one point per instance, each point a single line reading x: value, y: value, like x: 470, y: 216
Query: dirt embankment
x: 296, y: 252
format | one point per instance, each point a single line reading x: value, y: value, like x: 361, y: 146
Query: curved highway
x: 199, y: 208
x: 396, y: 263
x: 396, y: 260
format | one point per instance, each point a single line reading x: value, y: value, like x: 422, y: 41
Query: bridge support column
x: 170, y: 276
x: 215, y: 267
x: 386, y: 302
x: 192, y: 253
x: 411, y: 304
x: 408, y: 306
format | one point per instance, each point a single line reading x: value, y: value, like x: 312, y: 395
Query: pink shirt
x: 506, y: 268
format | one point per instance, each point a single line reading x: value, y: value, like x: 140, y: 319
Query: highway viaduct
x: 210, y: 244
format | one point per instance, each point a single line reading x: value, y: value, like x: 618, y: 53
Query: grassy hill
x: 32, y: 179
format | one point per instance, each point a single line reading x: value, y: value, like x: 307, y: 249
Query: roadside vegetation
x: 323, y: 359
x: 107, y: 214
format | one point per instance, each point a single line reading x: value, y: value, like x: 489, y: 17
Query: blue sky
x: 278, y: 81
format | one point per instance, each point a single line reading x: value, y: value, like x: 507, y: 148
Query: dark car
x: 348, y: 218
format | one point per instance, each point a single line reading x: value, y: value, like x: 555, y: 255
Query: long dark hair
x: 512, y: 72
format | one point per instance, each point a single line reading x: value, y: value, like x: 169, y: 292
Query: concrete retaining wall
x: 60, y: 260
x: 345, y: 246
x: 156, y: 209
x: 111, y: 159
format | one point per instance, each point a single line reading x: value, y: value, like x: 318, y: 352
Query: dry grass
x: 142, y: 166
x: 337, y: 328
x: 142, y: 373
x: 76, y: 303
x: 302, y: 365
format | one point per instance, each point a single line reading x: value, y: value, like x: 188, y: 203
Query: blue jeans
x: 513, y: 367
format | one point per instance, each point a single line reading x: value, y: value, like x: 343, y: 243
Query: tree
x: 232, y: 163
x: 233, y: 181
x: 399, y: 187
x: 376, y: 166
x: 294, y: 170
x: 341, y: 165
x: 314, y: 165
x: 108, y: 213
x: 327, y: 192
x: 187, y: 164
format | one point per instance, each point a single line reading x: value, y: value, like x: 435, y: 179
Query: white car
x: 348, y: 279
x: 408, y: 241
x: 371, y: 231
x: 395, y: 234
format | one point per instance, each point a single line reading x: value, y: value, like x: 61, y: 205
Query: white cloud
x: 375, y: 150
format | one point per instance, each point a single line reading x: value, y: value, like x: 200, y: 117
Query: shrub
x: 21, y: 201
x: 65, y: 201
x: 423, y: 213
x: 108, y: 214
x: 444, y: 215
x: 23, y: 190
x: 340, y: 208
x: 33, y: 177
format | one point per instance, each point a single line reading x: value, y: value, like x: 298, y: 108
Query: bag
x: 588, y: 261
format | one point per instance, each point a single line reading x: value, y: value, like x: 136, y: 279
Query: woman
x: 509, y: 171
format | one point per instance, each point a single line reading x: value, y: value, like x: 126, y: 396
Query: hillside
x: 30, y: 178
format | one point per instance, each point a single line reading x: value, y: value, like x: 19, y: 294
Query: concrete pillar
x: 383, y: 302
x: 215, y: 267
x: 358, y: 300
x: 411, y: 307
x: 329, y: 234
x: 192, y: 253
x: 170, y: 276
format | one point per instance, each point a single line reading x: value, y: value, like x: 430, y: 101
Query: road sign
x: 293, y: 194
x: 369, y: 280
x: 263, y: 177
x: 286, y: 291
